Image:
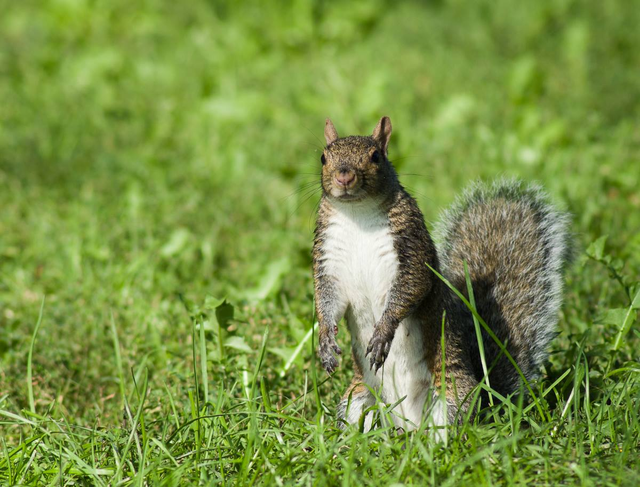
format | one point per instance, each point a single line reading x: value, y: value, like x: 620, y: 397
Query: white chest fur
x: 363, y: 263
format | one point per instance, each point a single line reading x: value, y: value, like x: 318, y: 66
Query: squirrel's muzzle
x: 345, y: 179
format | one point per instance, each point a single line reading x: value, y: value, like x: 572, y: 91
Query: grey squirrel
x: 370, y: 256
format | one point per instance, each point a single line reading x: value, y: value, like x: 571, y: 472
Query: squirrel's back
x: 516, y: 245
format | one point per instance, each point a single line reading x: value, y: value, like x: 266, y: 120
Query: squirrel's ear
x: 382, y: 132
x: 330, y: 132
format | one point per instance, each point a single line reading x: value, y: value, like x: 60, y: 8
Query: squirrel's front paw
x: 327, y: 350
x: 379, y: 347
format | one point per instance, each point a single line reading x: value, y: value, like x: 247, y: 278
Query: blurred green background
x: 157, y: 149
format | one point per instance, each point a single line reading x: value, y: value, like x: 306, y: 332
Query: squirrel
x: 373, y: 263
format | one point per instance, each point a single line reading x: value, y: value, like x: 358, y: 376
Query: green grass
x: 155, y: 169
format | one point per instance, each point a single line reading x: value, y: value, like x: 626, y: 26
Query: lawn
x: 158, y: 170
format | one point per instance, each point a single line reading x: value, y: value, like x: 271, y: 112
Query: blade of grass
x: 133, y: 434
x: 256, y: 371
x: 548, y: 390
x: 32, y: 404
x: 253, y: 437
x: 17, y: 417
x: 443, y: 382
x: 476, y: 326
x: 298, y: 350
x: 116, y: 348
x: 203, y: 364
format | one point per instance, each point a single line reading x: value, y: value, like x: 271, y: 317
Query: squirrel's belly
x: 364, y: 264
x: 363, y: 261
x: 405, y: 377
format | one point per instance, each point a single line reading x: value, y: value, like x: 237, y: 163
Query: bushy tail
x: 516, y: 246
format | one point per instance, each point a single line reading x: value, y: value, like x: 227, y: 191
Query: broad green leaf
x: 596, y: 249
x: 623, y: 318
x: 612, y: 317
x: 617, y: 264
x: 224, y: 314
x: 211, y: 303
x: 237, y: 343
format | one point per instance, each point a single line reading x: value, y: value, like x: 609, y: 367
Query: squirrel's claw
x: 330, y: 364
x: 326, y: 350
x: 379, y: 347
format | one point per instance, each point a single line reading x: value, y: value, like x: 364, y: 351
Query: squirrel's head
x: 356, y: 167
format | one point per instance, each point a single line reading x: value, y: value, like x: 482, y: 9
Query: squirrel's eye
x: 375, y: 157
x: 323, y: 159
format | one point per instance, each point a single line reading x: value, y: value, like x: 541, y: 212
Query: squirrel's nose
x: 345, y: 178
